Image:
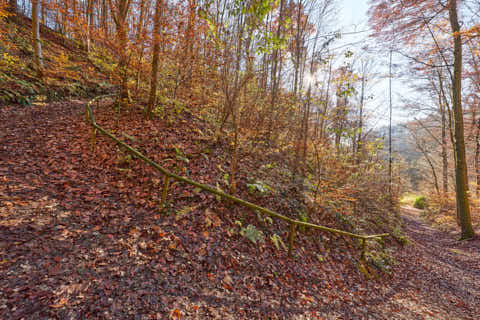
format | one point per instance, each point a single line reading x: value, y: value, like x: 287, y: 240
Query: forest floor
x: 78, y: 242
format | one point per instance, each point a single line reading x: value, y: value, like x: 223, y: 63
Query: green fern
x: 253, y: 234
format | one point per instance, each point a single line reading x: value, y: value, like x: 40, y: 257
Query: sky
x: 354, y: 12
x: 353, y: 16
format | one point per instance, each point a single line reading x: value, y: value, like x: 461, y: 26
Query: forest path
x: 447, y: 271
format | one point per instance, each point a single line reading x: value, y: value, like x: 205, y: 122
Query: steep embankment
x: 80, y: 237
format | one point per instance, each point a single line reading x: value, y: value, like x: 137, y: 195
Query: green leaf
x: 253, y: 234
x: 182, y: 158
x: 257, y: 186
x: 277, y: 241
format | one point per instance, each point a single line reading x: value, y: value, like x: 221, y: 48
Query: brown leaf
x: 176, y: 314
x: 60, y: 303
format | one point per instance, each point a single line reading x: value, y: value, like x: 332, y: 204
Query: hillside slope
x: 69, y: 70
x: 82, y: 239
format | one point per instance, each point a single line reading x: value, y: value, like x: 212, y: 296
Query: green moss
x: 420, y: 202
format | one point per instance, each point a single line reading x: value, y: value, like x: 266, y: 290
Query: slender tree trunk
x: 233, y: 105
x: 477, y: 155
x: 275, y: 77
x: 75, y: 25
x: 155, y: 59
x: 65, y: 18
x: 424, y: 151
x: 12, y: 7
x: 120, y: 14
x: 57, y: 22
x: 444, y: 153
x: 434, y: 173
x: 89, y: 15
x: 105, y: 26
x: 360, y: 122
x: 390, y: 180
x: 306, y: 117
x: 42, y: 12
x: 140, y: 44
x: 233, y: 167
x: 189, y: 44
x: 461, y: 176
x: 338, y: 121
x: 123, y: 63
x: 443, y: 115
x: 297, y: 54
x: 37, y: 45
x: 326, y: 102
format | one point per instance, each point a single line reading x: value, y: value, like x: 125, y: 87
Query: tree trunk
x: 390, y: 160
x: 444, y: 140
x: 477, y: 156
x: 65, y: 18
x: 434, y: 173
x: 430, y: 163
x: 338, y: 121
x: 120, y: 14
x: 37, y: 45
x: 306, y: 117
x: 275, y: 75
x: 12, y: 7
x: 461, y: 177
x: 105, y: 26
x: 42, y: 13
x: 326, y: 102
x: 155, y: 59
x: 89, y: 16
x: 140, y: 44
x: 189, y: 44
x: 232, y: 101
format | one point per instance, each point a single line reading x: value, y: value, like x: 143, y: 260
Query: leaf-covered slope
x: 81, y: 236
x: 69, y: 70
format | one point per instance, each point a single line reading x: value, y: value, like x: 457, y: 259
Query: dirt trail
x: 446, y: 271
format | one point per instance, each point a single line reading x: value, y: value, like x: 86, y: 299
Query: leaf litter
x: 80, y: 239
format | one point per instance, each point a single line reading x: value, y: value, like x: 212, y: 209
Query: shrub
x: 420, y: 202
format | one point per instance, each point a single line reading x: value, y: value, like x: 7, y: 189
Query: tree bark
x: 358, y: 144
x: 189, y: 44
x: 477, y: 155
x: 275, y: 75
x: 89, y: 16
x: 430, y: 163
x: 461, y: 177
x: 120, y: 14
x: 37, y: 45
x: 140, y: 44
x: 390, y: 159
x: 326, y: 102
x: 12, y: 6
x: 155, y: 59
x: 443, y: 115
x: 105, y: 26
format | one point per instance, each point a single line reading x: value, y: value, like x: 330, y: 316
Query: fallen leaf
x: 60, y: 303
